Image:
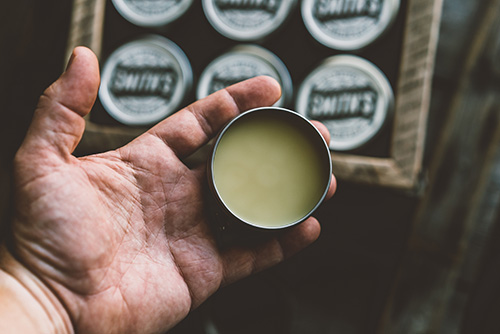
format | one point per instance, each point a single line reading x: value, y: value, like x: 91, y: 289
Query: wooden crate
x: 401, y: 169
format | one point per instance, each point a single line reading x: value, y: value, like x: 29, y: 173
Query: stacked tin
x: 245, y: 20
x: 349, y: 94
x: 145, y: 80
x: 244, y: 62
x: 326, y: 54
x: 348, y: 25
x: 152, y: 13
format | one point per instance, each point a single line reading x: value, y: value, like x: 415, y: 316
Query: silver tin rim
x: 258, y: 54
x: 162, y: 19
x: 161, y: 45
x: 247, y: 35
x: 212, y: 157
x: 385, y: 105
x: 388, y: 16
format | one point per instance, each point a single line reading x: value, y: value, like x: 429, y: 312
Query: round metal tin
x: 225, y: 217
x: 152, y: 13
x: 348, y: 25
x: 244, y: 62
x: 350, y: 96
x: 145, y: 80
x: 246, y: 21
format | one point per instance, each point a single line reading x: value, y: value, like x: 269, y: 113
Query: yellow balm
x: 271, y: 168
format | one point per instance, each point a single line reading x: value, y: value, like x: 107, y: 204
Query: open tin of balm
x: 270, y: 168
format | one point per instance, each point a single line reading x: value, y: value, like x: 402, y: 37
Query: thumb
x: 58, y: 123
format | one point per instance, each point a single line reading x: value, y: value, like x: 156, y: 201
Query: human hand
x: 118, y: 242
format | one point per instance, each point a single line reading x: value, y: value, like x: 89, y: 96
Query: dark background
x: 386, y: 261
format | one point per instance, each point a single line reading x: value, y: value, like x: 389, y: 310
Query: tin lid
x: 152, y: 13
x: 348, y: 25
x: 350, y: 96
x: 145, y: 80
x: 244, y: 20
x: 244, y: 62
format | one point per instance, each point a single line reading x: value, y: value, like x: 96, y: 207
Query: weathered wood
x: 452, y: 225
x: 413, y: 101
x: 87, y: 20
x: 372, y: 171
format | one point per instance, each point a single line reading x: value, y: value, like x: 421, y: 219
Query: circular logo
x: 145, y: 80
x: 241, y: 63
x: 348, y: 24
x: 152, y: 13
x: 350, y: 96
x: 244, y: 20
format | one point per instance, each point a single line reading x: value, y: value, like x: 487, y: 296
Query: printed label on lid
x: 346, y: 103
x: 235, y: 68
x: 247, y: 20
x: 348, y: 24
x: 150, y: 13
x: 350, y: 96
x: 145, y: 81
x: 268, y: 6
x: 325, y: 11
x: 241, y: 63
x: 153, y: 7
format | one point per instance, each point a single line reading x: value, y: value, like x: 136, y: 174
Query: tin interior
x: 306, y: 129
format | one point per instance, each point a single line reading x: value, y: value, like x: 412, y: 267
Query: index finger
x: 190, y: 128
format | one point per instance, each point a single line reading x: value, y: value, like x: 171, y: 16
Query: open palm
x: 121, y: 237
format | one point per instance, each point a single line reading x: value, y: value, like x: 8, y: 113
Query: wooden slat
x: 87, y: 22
x: 371, y: 171
x: 410, y: 123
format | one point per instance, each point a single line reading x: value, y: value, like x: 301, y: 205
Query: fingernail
x: 70, y: 60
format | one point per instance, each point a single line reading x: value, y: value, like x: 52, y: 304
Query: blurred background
x: 388, y: 261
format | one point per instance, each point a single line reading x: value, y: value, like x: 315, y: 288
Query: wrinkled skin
x: 120, y: 238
